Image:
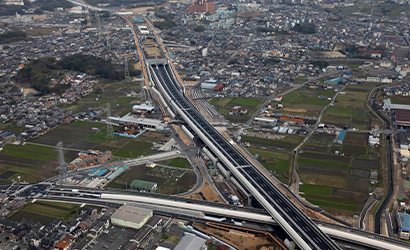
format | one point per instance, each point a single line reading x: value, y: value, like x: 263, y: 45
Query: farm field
x: 31, y: 162
x: 350, y: 109
x: 366, y: 9
x: 45, y: 212
x: 82, y: 135
x: 288, y: 143
x: 225, y: 105
x: 179, y: 162
x: 312, y: 104
x: 276, y: 162
x: 170, y: 181
x: 274, y: 155
x: 337, y: 183
x: 399, y: 99
x: 108, y: 92
x: 73, y: 135
x: 37, y: 159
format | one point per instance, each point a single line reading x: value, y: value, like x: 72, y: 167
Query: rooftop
x: 190, y: 242
x: 142, y: 184
x: 404, y: 221
x: 131, y: 213
x: 132, y: 119
x: 144, y: 107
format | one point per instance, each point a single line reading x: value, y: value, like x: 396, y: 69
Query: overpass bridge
x: 204, y: 211
x: 306, y: 234
x: 293, y: 221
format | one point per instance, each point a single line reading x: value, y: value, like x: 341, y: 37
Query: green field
x: 169, y: 180
x: 112, y: 92
x: 247, y: 102
x: 282, y: 165
x: 225, y: 105
x: 399, y: 99
x: 45, y: 211
x: 339, y: 111
x: 354, y: 150
x: 270, y: 144
x: 133, y: 149
x: 178, y: 162
x: 330, y: 203
x: 276, y: 162
x: 269, y: 154
x: 312, y: 104
x: 31, y: 162
x: 323, y: 162
x: 323, y: 180
x: 315, y: 189
x: 90, y: 124
x: 389, y: 10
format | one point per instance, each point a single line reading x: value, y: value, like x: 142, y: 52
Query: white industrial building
x: 130, y: 216
x: 143, y: 123
x: 191, y: 242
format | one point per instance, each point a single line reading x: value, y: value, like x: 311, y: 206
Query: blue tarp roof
x: 404, y: 220
x: 341, y: 135
x: 115, y: 173
x: 101, y: 172
x: 94, y: 171
x: 334, y: 80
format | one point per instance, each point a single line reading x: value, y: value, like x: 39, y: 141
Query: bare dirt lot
x: 209, y: 194
x: 70, y: 134
x: 329, y: 54
x: 350, y: 195
x: 239, y: 241
x: 365, y: 164
x: 295, y: 110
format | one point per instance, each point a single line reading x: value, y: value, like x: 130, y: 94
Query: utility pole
x: 99, y: 25
x: 126, y: 70
x: 88, y: 19
x: 110, y: 131
x: 62, y: 168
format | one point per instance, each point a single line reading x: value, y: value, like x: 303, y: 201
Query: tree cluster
x: 199, y: 28
x: 50, y: 5
x: 320, y: 63
x: 308, y: 28
x: 264, y: 29
x: 39, y: 72
x: 167, y: 24
x: 9, y: 10
x: 12, y: 36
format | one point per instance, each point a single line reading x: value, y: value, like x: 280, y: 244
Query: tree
x: 305, y: 29
x: 199, y: 28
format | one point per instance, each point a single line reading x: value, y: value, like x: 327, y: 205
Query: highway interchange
x: 305, y: 233
x: 282, y: 211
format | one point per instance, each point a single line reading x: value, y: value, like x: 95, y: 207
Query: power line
x: 62, y: 168
x: 110, y: 130
x: 127, y: 72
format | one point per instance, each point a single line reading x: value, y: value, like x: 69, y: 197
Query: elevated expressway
x: 204, y: 211
x: 291, y: 219
x: 295, y: 223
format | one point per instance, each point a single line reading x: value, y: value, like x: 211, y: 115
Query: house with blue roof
x: 404, y: 225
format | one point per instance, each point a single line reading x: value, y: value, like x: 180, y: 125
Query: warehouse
x: 142, y: 123
x: 402, y: 117
x: 130, y: 216
x: 143, y: 108
x: 144, y: 185
x: 191, y: 242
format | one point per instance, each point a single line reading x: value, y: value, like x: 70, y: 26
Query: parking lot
x: 114, y: 238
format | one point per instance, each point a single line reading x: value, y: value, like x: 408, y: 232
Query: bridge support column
x: 289, y: 244
x: 250, y: 200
